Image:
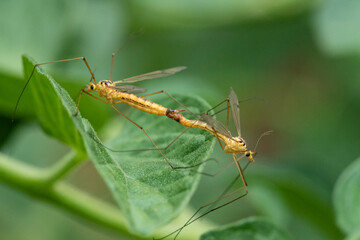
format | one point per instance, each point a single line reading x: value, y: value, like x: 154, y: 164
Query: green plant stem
x: 46, y: 184
x: 62, y: 167
x: 39, y: 183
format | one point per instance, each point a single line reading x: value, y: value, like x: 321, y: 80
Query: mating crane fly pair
x: 114, y: 94
x: 125, y: 94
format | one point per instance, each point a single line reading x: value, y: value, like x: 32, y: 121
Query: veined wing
x: 152, y: 75
x: 216, y: 125
x: 235, y: 110
x: 128, y: 89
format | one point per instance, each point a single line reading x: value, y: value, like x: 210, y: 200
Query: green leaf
x: 290, y: 199
x: 249, y: 229
x: 53, y: 106
x: 347, y: 198
x: 354, y: 236
x: 147, y: 190
x: 153, y: 193
x: 337, y: 26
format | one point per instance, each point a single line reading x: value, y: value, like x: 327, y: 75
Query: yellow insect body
x: 232, y: 144
x: 107, y: 89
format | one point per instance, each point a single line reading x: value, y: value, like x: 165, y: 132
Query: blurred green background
x: 301, y: 57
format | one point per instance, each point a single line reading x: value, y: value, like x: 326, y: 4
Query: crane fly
x: 234, y: 145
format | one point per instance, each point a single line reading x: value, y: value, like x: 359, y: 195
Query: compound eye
x: 247, y: 154
x: 92, y: 87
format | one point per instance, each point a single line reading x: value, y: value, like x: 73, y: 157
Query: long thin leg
x: 112, y: 63
x: 162, y: 149
x: 227, y: 115
x: 233, y: 182
x: 183, y: 106
x: 240, y: 101
x: 79, y: 99
x: 178, y: 102
x: 151, y: 94
x: 193, y: 219
x: 224, y: 192
x: 226, y: 167
x: 230, y: 185
x: 240, y: 171
x: 227, y: 112
x: 152, y: 149
x: 39, y: 64
x: 220, y: 103
x: 219, y: 171
x: 149, y: 139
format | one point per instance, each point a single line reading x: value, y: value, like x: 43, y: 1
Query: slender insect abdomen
x: 232, y: 145
x: 141, y: 103
x: 195, y: 124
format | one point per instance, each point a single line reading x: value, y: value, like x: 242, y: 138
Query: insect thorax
x: 105, y: 82
x: 235, y: 145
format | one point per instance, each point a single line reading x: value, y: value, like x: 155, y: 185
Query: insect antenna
x: 127, y: 40
x: 261, y: 136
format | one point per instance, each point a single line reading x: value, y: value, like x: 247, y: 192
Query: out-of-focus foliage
x: 249, y: 229
x: 301, y: 57
x: 289, y: 194
x: 200, y: 14
x: 337, y: 25
x: 347, y: 197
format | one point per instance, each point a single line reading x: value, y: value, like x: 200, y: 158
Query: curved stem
x: 62, y: 167
x: 39, y: 183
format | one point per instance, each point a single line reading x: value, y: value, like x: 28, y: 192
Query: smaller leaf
x: 253, y: 228
x: 347, y: 198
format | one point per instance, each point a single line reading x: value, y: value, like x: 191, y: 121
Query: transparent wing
x: 216, y: 125
x: 128, y: 89
x: 235, y: 110
x: 152, y: 75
